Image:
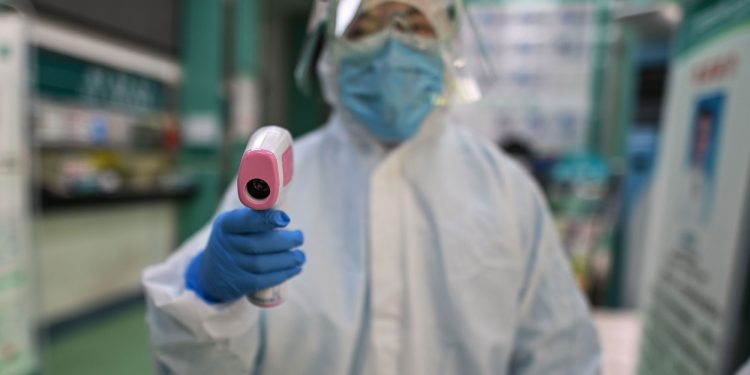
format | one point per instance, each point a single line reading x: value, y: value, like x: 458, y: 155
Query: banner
x: 702, y: 197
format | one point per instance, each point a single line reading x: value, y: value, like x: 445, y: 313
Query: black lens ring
x: 258, y: 189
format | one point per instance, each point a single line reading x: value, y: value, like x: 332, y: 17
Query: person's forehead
x: 391, y: 6
x: 372, y: 4
x: 388, y: 9
x: 422, y: 14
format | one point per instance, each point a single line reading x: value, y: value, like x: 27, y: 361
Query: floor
x: 619, y: 332
x: 114, y: 344
x: 117, y: 343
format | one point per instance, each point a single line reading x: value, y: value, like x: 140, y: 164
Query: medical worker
x: 425, y: 250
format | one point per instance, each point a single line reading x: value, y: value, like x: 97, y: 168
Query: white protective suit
x: 438, y: 256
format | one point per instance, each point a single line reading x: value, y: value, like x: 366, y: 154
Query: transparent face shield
x: 358, y: 26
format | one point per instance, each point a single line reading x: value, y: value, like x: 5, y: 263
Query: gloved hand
x: 245, y: 254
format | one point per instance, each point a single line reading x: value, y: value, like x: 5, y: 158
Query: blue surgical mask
x: 391, y: 89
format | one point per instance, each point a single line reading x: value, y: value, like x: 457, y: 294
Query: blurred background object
x: 122, y: 122
x: 17, y: 318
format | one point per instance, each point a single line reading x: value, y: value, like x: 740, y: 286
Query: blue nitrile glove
x: 245, y: 254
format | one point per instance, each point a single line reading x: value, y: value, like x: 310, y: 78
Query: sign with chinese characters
x: 67, y: 78
x: 699, y: 245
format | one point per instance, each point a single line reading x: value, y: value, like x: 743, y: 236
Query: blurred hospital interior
x: 122, y: 123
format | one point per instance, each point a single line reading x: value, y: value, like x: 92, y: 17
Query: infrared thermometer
x: 265, y: 172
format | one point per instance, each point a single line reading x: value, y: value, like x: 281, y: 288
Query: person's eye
x: 357, y: 31
x: 424, y: 30
x: 354, y: 33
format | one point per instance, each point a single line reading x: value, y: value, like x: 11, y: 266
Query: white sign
x: 245, y: 108
x: 700, y: 208
x: 202, y: 130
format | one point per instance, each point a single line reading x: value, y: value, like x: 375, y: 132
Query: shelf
x: 52, y: 201
x: 80, y: 148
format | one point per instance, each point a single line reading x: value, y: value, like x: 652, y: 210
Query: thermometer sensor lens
x: 258, y: 189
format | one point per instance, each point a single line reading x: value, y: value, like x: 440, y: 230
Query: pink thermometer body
x: 265, y: 172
